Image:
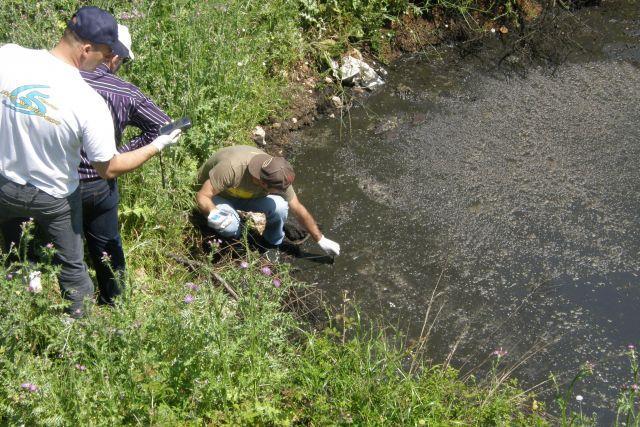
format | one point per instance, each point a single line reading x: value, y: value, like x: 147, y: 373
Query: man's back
x: 227, y: 169
x: 47, y: 113
x: 128, y: 107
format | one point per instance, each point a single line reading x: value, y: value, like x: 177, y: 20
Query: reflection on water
x: 514, y: 197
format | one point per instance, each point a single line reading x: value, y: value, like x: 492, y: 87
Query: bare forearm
x: 204, y: 198
x: 125, y: 162
x: 205, y: 204
x: 307, y: 221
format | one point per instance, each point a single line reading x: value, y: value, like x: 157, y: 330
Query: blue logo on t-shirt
x: 29, y: 100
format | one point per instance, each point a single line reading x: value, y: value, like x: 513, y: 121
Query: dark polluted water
x: 506, y: 190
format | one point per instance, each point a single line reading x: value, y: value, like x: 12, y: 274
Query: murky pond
x: 507, y: 191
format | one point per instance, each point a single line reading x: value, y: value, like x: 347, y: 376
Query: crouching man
x: 247, y: 178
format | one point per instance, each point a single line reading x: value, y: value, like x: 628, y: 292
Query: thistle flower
x: 244, y: 265
x: 133, y: 14
x: 30, y: 387
x: 276, y: 283
x: 80, y: 367
x: 188, y: 299
x: 266, y: 271
x: 49, y: 246
x: 631, y: 347
x: 634, y: 387
x: 192, y: 286
x: 499, y: 353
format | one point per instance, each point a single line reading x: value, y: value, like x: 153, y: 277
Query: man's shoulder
x: 9, y: 47
x: 102, y: 81
x: 88, y: 101
x: 20, y: 54
x: 237, y: 152
x: 12, y: 48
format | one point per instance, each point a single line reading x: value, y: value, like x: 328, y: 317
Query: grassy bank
x: 178, y: 349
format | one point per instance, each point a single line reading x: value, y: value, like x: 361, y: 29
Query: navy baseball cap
x: 97, y: 26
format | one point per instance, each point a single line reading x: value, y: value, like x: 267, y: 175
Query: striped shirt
x: 128, y: 106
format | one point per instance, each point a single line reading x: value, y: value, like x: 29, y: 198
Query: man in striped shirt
x: 128, y: 106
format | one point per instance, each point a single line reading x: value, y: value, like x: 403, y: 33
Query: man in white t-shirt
x: 47, y: 113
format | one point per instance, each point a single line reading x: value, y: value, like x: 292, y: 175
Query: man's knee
x: 281, y: 207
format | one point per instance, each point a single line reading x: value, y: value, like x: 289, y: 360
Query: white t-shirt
x: 47, y: 113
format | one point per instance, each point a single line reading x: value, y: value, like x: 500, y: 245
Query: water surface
x: 505, y: 184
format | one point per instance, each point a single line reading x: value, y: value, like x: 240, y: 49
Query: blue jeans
x: 274, y: 207
x: 60, y: 219
x: 100, y: 199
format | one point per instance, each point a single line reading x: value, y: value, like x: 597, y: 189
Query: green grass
x: 155, y: 359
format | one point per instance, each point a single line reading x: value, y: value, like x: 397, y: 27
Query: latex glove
x: 166, y: 140
x: 218, y: 220
x: 329, y: 246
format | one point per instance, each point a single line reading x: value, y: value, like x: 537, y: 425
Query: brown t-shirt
x: 228, y: 171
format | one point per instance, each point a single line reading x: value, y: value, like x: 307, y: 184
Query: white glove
x: 218, y: 220
x: 329, y: 246
x: 166, y: 140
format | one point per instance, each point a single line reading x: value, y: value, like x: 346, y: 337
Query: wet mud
x: 506, y: 190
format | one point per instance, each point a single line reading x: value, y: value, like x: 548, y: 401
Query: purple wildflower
x: 277, y: 283
x: 133, y: 14
x: 80, y: 367
x: 500, y: 353
x: 188, y: 299
x: 49, y: 246
x: 631, y: 347
x: 244, y: 265
x: 29, y: 387
x: 192, y: 286
x: 9, y: 276
x: 634, y: 387
x: 266, y: 270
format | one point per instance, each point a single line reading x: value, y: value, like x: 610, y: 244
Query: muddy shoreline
x: 539, y: 35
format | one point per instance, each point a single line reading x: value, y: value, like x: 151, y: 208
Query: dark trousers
x: 60, y: 219
x: 100, y: 221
